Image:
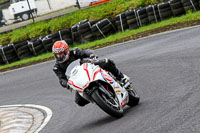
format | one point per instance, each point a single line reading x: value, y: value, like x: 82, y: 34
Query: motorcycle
x: 99, y: 86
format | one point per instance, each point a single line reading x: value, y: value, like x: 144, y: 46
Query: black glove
x: 93, y: 56
x: 63, y: 83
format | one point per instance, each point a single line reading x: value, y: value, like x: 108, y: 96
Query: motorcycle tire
x: 99, y: 99
x: 133, y: 98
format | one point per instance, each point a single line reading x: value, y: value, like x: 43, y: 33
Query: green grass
x: 25, y: 61
x: 108, y: 10
x: 3, y: 1
x: 117, y: 36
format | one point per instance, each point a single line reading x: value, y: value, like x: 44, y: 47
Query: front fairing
x: 82, y: 75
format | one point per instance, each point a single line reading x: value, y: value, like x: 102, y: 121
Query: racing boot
x: 125, y: 81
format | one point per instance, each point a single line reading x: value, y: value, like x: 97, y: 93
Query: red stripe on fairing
x: 98, y: 71
x: 71, y: 82
x: 122, y: 105
x: 124, y: 102
x: 85, y: 68
x: 85, y: 85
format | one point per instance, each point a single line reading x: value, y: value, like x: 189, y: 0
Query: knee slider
x: 79, y: 100
x: 81, y: 103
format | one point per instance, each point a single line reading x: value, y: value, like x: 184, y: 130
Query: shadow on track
x: 106, y: 120
x: 109, y: 119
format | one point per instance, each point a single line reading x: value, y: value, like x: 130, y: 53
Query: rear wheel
x: 110, y: 105
x: 133, y: 98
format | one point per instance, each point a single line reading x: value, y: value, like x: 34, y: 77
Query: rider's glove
x: 93, y: 56
x: 63, y: 83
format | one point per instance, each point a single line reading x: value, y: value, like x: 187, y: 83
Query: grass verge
x: 3, y: 1
x: 187, y: 20
x: 108, y: 10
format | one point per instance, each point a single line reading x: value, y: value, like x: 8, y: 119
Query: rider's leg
x: 79, y: 100
x: 110, y: 66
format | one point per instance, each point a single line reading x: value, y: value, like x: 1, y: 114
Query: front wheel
x: 25, y: 16
x: 109, y: 104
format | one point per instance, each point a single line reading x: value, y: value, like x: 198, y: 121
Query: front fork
x: 120, y: 93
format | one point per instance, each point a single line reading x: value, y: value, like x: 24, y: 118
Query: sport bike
x: 99, y: 86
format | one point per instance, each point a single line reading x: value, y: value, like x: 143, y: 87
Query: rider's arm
x: 82, y: 53
x: 61, y: 75
x: 59, y: 71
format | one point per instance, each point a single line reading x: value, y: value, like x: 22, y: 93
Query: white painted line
x: 162, y: 33
x: 25, y: 67
x: 47, y: 119
x: 47, y: 114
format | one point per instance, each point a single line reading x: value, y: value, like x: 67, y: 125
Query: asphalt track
x: 164, y: 68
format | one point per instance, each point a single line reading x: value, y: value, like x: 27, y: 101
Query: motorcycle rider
x: 64, y: 57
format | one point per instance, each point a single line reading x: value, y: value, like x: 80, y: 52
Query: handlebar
x: 87, y: 60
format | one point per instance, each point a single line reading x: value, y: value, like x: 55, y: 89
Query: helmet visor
x: 61, y: 57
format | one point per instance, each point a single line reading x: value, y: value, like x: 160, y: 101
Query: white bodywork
x: 82, y: 75
x: 21, y: 6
